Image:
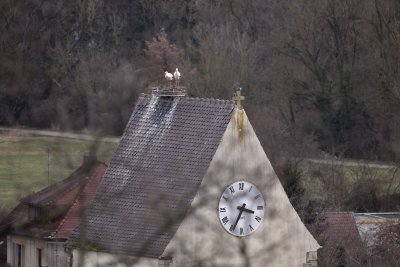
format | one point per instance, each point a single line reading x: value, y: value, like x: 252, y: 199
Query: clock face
x: 241, y: 208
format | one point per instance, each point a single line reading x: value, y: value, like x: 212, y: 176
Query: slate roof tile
x: 154, y: 174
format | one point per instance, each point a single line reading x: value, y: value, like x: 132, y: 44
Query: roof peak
x: 188, y: 98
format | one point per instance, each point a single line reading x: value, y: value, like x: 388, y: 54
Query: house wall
x: 100, y: 259
x: 53, y: 254
x: 281, y: 240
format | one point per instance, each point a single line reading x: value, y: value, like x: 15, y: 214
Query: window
x: 34, y: 213
x: 19, y: 251
x: 39, y: 257
x: 70, y: 261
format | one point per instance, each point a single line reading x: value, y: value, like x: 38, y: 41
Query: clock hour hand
x: 238, y: 218
x: 242, y: 208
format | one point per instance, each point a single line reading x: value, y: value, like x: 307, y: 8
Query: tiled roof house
x: 340, y: 239
x: 355, y: 238
x: 39, y: 226
x: 157, y: 204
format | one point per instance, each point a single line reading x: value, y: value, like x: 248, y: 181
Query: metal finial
x: 238, y: 97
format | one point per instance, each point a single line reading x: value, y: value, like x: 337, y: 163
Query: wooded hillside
x: 317, y: 75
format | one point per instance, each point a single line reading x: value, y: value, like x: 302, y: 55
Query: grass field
x: 342, y: 175
x: 28, y: 164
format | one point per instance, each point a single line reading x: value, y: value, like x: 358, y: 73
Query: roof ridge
x: 343, y: 212
x: 69, y: 179
x: 212, y: 100
x: 77, y: 198
x: 192, y: 98
x: 68, y: 189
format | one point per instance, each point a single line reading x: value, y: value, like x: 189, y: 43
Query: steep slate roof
x: 154, y: 174
x: 65, y: 200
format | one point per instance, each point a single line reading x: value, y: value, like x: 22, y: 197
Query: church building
x: 190, y: 185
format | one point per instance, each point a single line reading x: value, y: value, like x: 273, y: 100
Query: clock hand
x: 240, y: 214
x: 244, y: 209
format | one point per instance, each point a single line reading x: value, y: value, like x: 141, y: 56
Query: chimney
x: 168, y: 92
x: 171, y: 88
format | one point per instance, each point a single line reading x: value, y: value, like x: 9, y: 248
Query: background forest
x: 319, y: 74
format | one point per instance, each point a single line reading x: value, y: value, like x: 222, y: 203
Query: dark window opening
x: 34, y: 213
x: 18, y: 255
x: 39, y: 257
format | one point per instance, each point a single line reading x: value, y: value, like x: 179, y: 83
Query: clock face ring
x: 241, y: 208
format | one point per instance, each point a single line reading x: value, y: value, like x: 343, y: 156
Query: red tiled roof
x: 68, y: 198
x: 60, y: 193
x: 73, y: 216
x: 340, y: 230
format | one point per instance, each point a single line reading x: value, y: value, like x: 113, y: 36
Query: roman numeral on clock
x: 222, y: 209
x: 258, y: 196
x: 241, y: 186
x: 225, y: 220
x: 251, y: 228
x: 260, y: 207
x: 231, y: 228
x: 232, y: 189
x: 226, y: 198
x: 241, y: 231
x: 258, y: 219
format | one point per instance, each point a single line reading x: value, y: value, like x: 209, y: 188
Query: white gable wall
x: 101, y: 259
x: 281, y: 240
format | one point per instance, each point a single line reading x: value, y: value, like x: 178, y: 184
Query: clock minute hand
x: 238, y: 218
x: 244, y: 209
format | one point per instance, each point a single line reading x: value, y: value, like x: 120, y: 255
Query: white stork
x: 177, y: 76
x: 168, y: 76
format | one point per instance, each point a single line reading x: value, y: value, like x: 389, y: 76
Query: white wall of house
x: 281, y: 240
x: 52, y: 253
x: 100, y: 259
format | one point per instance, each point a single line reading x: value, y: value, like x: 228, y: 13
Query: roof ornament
x: 238, y: 97
x: 239, y: 112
